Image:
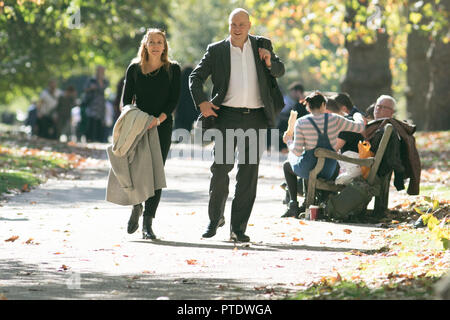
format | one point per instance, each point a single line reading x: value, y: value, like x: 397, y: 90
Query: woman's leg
x: 165, y: 135
x: 291, y: 180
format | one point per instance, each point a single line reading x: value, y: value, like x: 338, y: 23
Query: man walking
x: 241, y: 103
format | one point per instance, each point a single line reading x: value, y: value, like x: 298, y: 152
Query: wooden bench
x: 381, y: 199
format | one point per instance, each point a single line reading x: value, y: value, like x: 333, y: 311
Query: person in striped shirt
x: 305, y: 137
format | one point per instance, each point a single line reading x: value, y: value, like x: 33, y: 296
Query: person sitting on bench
x: 305, y: 137
x: 401, y: 155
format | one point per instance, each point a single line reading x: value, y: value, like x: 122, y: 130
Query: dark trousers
x: 165, y: 134
x: 94, y: 130
x: 46, y: 127
x: 249, y: 154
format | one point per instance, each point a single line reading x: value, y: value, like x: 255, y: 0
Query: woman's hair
x: 333, y: 106
x: 344, y: 100
x: 143, y: 55
x: 315, y: 100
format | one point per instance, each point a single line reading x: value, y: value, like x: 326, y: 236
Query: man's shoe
x: 212, y: 228
x: 147, y: 232
x: 133, y: 222
x: 239, y: 237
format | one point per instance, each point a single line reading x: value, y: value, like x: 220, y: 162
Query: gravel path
x: 73, y: 245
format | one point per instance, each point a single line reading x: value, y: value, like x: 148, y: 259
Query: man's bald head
x: 239, y: 11
x: 239, y: 26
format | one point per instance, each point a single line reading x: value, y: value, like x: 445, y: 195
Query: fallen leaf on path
x: 347, y: 231
x: 303, y: 223
x: 29, y: 241
x: 192, y: 262
x: 341, y: 240
x: 64, y: 267
x: 12, y: 239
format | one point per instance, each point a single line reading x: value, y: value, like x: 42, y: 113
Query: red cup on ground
x: 313, y: 212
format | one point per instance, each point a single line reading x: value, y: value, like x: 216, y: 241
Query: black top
x: 351, y: 138
x: 301, y: 109
x: 154, y: 93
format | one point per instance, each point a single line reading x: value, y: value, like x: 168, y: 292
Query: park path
x: 73, y: 245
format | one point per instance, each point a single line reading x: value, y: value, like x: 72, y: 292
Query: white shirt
x: 48, y: 101
x: 243, y: 88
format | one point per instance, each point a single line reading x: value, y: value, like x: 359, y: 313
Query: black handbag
x: 275, y: 92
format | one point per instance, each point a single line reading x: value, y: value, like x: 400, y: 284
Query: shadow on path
x: 28, y: 281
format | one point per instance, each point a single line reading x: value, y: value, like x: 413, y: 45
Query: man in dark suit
x: 241, y: 102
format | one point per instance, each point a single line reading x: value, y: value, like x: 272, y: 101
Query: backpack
x: 352, y: 200
x: 307, y: 161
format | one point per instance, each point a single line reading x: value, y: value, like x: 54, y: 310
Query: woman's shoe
x: 292, y: 210
x: 147, y: 232
x: 133, y: 222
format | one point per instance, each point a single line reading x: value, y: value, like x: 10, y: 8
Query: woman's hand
x: 152, y: 124
x: 287, y: 136
x: 158, y: 120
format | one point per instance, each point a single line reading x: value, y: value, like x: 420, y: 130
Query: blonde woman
x: 152, y: 82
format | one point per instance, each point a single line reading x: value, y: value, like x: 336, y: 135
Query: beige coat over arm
x: 137, y: 168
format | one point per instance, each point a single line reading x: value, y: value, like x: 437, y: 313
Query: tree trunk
x: 368, y: 74
x: 418, y: 77
x: 437, y: 110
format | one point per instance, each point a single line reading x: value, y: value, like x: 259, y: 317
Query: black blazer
x: 217, y: 63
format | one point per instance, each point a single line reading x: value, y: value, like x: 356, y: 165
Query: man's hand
x: 265, y: 55
x: 207, y: 109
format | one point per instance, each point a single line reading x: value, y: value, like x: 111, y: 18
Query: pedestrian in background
x: 95, y: 104
x: 46, y: 105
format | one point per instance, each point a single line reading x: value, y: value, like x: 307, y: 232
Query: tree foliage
x: 193, y: 24
x: 57, y: 38
x: 311, y: 35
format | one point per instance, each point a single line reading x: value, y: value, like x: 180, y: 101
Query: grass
x: 414, y: 262
x: 17, y: 180
x: 442, y: 192
x: 348, y: 290
x: 22, y: 168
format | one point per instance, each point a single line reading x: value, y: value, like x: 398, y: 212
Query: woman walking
x: 152, y: 82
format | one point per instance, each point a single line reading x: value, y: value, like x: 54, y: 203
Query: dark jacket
x: 408, y: 152
x: 217, y: 64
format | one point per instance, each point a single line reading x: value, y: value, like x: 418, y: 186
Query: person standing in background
x: 95, y: 105
x: 46, y: 105
x: 64, y: 112
x: 185, y: 113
